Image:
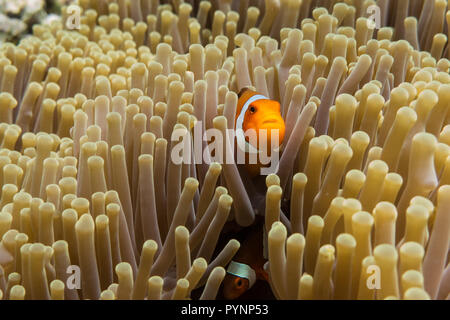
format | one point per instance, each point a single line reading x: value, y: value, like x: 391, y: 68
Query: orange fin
x: 262, y: 275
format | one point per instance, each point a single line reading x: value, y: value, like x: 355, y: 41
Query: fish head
x: 234, y: 286
x: 263, y: 117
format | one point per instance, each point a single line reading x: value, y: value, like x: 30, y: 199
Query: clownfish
x: 256, y: 112
x: 247, y: 267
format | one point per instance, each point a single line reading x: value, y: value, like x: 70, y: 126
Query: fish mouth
x: 270, y: 121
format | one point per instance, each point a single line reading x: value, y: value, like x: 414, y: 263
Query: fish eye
x: 252, y: 109
x: 238, y: 282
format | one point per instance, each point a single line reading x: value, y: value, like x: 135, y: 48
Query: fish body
x: 261, y: 116
x: 250, y: 254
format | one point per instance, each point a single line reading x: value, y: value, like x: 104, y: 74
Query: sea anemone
x: 357, y: 208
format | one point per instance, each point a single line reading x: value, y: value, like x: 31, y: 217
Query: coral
x: 17, y: 17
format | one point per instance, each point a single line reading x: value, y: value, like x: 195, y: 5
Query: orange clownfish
x: 248, y: 265
x: 240, y: 278
x: 254, y: 113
